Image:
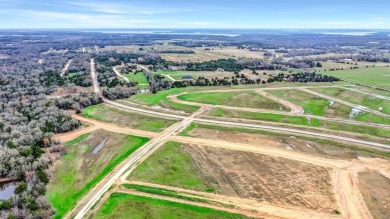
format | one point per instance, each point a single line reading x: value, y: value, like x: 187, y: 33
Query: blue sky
x: 353, y: 14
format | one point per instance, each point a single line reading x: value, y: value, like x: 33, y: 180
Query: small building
x: 187, y: 78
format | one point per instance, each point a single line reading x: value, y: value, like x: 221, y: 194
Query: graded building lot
x: 116, y: 116
x: 314, y: 105
x: 248, y: 99
x: 121, y: 205
x: 89, y: 158
x: 369, y: 101
x: 171, y: 166
x: 249, y: 175
x: 282, y: 141
x: 375, y: 189
x: 300, y: 121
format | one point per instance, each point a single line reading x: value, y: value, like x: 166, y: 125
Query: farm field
x: 249, y: 99
x: 219, y: 171
x: 375, y: 189
x: 121, y: 205
x: 129, y: 119
x: 89, y: 158
x: 300, y: 120
x: 177, y: 75
x: 371, y: 102
x: 376, y: 76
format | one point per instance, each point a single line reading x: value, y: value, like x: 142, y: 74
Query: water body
x: 7, y: 190
x: 99, y: 146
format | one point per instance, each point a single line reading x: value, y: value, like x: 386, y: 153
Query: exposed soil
x: 375, y: 189
x: 262, y: 178
x: 284, y: 142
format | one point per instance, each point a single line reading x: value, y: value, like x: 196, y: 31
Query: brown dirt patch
x: 285, y: 142
x: 375, y: 189
x: 263, y: 178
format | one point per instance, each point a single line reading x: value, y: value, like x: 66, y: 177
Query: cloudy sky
x: 354, y: 14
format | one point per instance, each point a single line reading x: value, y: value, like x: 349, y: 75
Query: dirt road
x: 120, y: 75
x: 66, y: 66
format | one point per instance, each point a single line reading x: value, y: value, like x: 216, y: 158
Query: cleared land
x: 89, y: 158
x: 300, y: 120
x: 124, y: 118
x: 177, y: 75
x: 121, y: 205
x: 314, y: 105
x: 370, y: 101
x: 257, y: 177
x: 171, y: 166
x: 375, y: 76
x: 248, y: 99
x: 287, y: 142
x: 375, y: 189
x: 160, y: 99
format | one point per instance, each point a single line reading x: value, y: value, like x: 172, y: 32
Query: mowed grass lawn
x: 301, y: 121
x: 248, y: 99
x: 129, y: 119
x: 171, y: 166
x: 138, y: 77
x: 371, y: 102
x: 82, y: 167
x: 377, y: 76
x: 123, y: 206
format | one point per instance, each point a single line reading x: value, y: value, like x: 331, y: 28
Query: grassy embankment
x: 301, y: 121
x: 122, y: 205
x: 314, y: 105
x: 371, y: 102
x: 80, y: 170
x: 129, y: 119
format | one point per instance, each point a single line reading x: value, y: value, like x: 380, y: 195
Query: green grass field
x: 301, y: 121
x: 376, y: 76
x: 140, y: 78
x: 248, y: 99
x: 313, y: 105
x: 121, y: 205
x: 171, y: 166
x: 129, y: 119
x: 371, y: 102
x: 79, y: 170
x: 160, y: 99
x: 177, y: 75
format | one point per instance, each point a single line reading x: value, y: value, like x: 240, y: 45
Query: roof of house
x: 187, y: 77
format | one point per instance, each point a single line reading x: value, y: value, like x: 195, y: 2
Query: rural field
x: 89, y: 158
x: 178, y: 75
